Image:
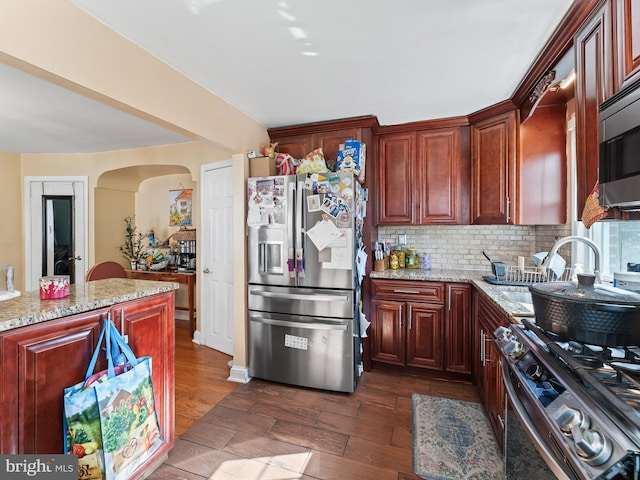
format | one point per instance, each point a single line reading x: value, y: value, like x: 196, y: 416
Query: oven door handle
x: 518, y: 408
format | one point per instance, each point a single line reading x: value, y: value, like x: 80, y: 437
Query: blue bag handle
x: 96, y: 352
x: 117, y: 339
x: 114, y: 343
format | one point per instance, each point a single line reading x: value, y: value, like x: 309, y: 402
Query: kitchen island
x: 46, y: 346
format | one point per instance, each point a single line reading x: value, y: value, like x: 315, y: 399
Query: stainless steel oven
x: 526, y: 450
x: 572, y: 411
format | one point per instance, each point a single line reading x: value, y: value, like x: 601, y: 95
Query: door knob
x: 76, y: 258
x: 206, y: 270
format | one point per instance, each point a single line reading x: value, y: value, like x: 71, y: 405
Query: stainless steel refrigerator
x: 305, y: 265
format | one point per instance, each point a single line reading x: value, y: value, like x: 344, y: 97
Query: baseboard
x: 239, y: 374
x: 181, y: 314
x: 197, y: 338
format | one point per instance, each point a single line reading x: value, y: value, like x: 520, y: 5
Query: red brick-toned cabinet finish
x: 39, y: 361
x: 149, y: 326
x: 421, y: 327
x: 458, y: 335
x: 493, y: 175
x: 395, y: 178
x: 487, y: 369
x: 594, y: 79
x: 423, y: 177
x: 627, y: 41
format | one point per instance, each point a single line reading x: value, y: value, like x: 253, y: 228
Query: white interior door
x: 35, y: 212
x: 216, y: 252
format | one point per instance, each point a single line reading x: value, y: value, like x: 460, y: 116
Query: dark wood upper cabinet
x: 297, y: 146
x: 627, y: 39
x: 395, y: 177
x: 493, y: 169
x: 594, y: 80
x: 542, y: 168
x: 423, y: 177
x: 443, y: 176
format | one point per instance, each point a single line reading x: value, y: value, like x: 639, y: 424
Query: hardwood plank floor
x: 269, y: 431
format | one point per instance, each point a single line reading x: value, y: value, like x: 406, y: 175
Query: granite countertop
x: 515, y: 311
x: 28, y: 309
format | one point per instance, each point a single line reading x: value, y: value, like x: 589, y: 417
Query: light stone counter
x: 28, y: 309
x: 495, y: 294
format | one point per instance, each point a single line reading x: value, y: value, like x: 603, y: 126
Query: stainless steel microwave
x: 619, y: 153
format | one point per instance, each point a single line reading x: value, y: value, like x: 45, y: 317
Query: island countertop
x: 28, y: 309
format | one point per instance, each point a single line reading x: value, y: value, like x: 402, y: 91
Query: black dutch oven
x: 588, y: 312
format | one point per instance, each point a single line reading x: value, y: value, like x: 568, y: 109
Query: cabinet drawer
x: 430, y: 292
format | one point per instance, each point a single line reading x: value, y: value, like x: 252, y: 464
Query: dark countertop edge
x: 474, y: 277
x: 28, y: 309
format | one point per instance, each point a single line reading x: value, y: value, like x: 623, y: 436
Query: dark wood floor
x: 268, y: 431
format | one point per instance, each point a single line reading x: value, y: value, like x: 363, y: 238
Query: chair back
x: 104, y: 270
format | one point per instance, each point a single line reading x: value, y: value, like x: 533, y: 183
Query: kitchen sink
x: 517, y: 300
x: 518, y: 297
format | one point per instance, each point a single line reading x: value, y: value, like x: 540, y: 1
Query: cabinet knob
x: 206, y: 270
x: 78, y: 258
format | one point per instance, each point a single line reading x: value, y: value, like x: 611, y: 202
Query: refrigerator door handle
x: 301, y: 296
x: 262, y: 255
x: 292, y: 206
x: 308, y: 326
x: 299, y: 214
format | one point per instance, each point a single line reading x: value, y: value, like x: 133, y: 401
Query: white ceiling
x: 296, y: 61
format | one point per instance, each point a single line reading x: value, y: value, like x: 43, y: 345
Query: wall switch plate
x: 402, y: 239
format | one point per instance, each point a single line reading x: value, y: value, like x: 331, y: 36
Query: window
x: 619, y: 244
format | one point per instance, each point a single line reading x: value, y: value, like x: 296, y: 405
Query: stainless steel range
x: 579, y: 404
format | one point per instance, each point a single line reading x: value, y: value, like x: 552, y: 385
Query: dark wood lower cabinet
x: 421, y: 326
x: 487, y: 368
x: 39, y: 361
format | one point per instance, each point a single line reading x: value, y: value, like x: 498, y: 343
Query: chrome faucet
x: 577, y: 238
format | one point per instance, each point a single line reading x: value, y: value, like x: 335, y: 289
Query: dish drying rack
x: 519, y: 276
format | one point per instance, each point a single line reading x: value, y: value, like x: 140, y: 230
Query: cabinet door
x: 628, y: 41
x: 330, y: 141
x: 542, y: 173
x: 438, y: 166
x: 425, y: 335
x: 387, y: 332
x: 489, y: 376
x: 493, y: 160
x: 395, y: 179
x: 593, y: 86
x: 149, y: 325
x: 458, y: 334
x: 39, y: 362
x: 297, y: 146
x: 495, y: 390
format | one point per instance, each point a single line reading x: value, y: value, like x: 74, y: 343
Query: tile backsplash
x: 460, y: 247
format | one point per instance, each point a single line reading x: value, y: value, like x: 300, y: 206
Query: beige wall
x: 152, y: 211
x: 56, y: 41
x: 11, y: 234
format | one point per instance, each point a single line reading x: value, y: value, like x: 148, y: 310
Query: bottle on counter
x: 400, y: 253
x: 393, y: 260
x: 411, y: 258
x: 425, y: 260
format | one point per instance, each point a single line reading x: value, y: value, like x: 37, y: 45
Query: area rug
x: 453, y: 440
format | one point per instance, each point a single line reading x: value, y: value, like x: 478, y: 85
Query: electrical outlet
x: 402, y: 239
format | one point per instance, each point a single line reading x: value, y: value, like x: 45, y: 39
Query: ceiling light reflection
x: 310, y: 54
x: 286, y: 15
x: 297, y: 33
